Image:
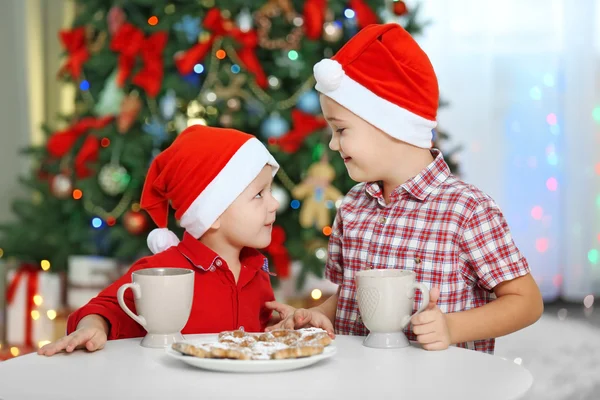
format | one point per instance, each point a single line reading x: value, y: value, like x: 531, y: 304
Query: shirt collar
x: 203, y: 257
x: 420, y: 186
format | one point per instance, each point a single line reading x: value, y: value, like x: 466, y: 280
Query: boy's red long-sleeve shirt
x: 219, y: 303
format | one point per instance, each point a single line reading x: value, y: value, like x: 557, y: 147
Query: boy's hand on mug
x: 292, y: 318
x: 91, y: 334
x: 430, y: 326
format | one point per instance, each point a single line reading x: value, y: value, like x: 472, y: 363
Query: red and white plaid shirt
x: 450, y: 233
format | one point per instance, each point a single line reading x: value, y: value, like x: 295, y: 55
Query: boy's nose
x: 334, y: 143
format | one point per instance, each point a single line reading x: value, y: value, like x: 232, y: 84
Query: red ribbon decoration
x: 364, y: 14
x: 29, y: 272
x: 61, y: 142
x: 304, y: 125
x: 314, y: 18
x: 75, y: 43
x: 220, y: 27
x: 130, y: 42
x: 278, y: 252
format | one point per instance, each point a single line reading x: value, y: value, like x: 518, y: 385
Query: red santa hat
x: 384, y: 77
x: 200, y: 175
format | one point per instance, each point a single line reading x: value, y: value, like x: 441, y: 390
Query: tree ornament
x: 135, y: 222
x: 316, y: 191
x: 130, y: 108
x: 273, y: 9
x: 274, y: 126
x: 399, y: 8
x: 333, y: 31
x: 61, y: 186
x: 113, y: 179
x: 111, y: 98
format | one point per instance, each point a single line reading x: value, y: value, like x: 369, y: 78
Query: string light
x: 35, y: 315
x: 551, y: 119
x: 562, y: 314
x: 541, y: 245
x: 45, y: 264
x: 316, y: 294
x: 38, y: 300
x: 293, y: 55
x: 593, y: 256
x: 220, y: 54
x: 349, y: 13
x: 84, y: 85
x: 77, y: 194
x: 96, y: 222
x: 596, y: 114
x: 153, y: 20
x: 295, y: 204
x: 327, y: 231
x: 588, y: 301
x: 14, y: 351
x: 535, y: 93
x: 198, y: 68
x: 537, y: 212
x: 552, y: 184
x: 105, y: 142
x: 111, y: 221
x: 321, y: 254
x: 51, y: 314
x: 235, y: 69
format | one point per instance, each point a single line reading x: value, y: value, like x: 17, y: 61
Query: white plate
x: 224, y: 365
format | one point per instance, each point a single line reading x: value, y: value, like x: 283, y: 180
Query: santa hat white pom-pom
x: 161, y: 239
x: 329, y: 74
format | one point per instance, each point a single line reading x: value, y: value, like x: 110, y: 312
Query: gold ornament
x: 316, y: 191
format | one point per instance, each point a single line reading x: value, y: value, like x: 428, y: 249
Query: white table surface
x: 125, y: 370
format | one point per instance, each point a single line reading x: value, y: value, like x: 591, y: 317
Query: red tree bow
x: 364, y: 14
x: 62, y: 141
x: 314, y: 18
x: 304, y: 125
x: 278, y: 252
x: 219, y: 27
x: 30, y: 273
x: 129, y: 41
x: 74, y: 41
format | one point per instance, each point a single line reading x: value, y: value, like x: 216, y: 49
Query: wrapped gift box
x: 32, y: 298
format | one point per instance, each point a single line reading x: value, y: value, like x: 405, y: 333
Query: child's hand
x: 91, y: 334
x: 292, y: 318
x: 430, y: 326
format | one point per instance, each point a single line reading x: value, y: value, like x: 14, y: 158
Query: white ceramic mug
x: 385, y: 302
x: 163, y: 299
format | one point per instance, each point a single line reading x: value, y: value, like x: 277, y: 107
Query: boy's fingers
x: 302, y: 317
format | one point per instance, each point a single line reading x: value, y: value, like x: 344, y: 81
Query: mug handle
x: 424, y: 293
x: 137, y: 292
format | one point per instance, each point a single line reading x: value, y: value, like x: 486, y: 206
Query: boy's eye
x: 258, y: 195
x: 340, y: 130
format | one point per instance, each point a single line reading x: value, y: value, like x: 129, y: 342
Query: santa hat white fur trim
x: 379, y: 112
x: 241, y: 169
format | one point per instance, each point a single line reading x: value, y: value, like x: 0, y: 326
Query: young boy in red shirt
x: 218, y: 181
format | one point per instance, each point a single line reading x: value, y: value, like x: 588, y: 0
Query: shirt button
x: 372, y: 267
x: 212, y: 268
x: 382, y: 220
x: 219, y: 262
x: 417, y: 260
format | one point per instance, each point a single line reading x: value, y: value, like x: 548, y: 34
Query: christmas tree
x: 147, y: 69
